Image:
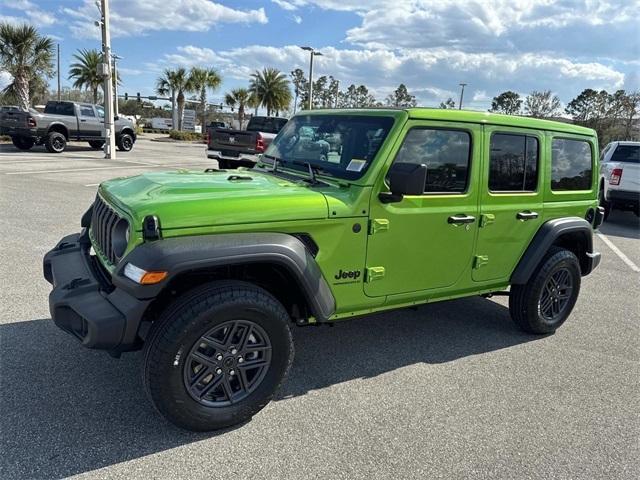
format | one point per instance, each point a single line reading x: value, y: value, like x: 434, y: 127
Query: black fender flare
x: 183, y: 254
x: 546, y: 236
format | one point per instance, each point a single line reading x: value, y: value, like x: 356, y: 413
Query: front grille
x: 103, y: 221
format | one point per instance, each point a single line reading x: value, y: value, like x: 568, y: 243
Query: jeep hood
x: 182, y: 199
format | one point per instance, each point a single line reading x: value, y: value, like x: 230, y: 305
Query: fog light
x: 141, y: 276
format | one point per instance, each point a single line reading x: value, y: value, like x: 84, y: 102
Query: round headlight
x: 120, y: 237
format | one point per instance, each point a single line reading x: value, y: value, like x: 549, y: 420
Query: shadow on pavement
x: 621, y: 224
x: 68, y: 410
x: 71, y: 147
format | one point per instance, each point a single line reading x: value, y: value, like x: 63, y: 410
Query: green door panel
x: 413, y: 241
x: 503, y: 236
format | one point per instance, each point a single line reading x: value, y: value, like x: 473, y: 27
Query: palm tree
x: 85, y: 71
x: 241, y: 98
x: 201, y: 80
x: 26, y: 56
x: 174, y: 83
x: 271, y: 88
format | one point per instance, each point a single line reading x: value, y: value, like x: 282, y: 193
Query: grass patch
x: 188, y: 136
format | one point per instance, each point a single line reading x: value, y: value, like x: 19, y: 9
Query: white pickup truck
x: 620, y: 177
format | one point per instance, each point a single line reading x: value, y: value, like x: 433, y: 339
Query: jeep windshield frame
x: 338, y: 145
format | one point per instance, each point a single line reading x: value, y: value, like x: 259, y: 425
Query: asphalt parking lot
x: 450, y: 390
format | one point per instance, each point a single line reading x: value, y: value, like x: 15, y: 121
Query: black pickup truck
x: 240, y: 148
x: 62, y: 122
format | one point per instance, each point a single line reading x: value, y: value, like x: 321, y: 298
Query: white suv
x: 620, y: 177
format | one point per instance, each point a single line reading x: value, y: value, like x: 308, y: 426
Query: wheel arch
x: 572, y: 233
x: 129, y: 130
x: 279, y: 263
x: 60, y: 128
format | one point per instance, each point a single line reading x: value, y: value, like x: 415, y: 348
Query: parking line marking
x: 114, y: 167
x: 619, y: 253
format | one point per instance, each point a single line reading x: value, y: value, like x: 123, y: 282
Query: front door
x: 426, y: 242
x: 511, y: 200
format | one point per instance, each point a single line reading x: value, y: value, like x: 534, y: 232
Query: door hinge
x: 480, y: 260
x: 374, y: 273
x: 377, y: 225
x: 487, y: 219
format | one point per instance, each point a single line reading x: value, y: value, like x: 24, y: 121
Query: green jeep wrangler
x: 348, y: 212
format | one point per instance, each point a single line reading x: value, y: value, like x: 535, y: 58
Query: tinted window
x: 626, y: 153
x: 444, y: 152
x: 62, y: 108
x: 266, y: 124
x: 571, y: 165
x: 513, y: 165
x: 87, y: 112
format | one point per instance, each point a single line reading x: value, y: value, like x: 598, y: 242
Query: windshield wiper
x: 274, y: 167
x: 311, y: 168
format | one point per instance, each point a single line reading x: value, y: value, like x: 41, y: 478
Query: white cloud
x: 431, y: 74
x: 5, y: 79
x: 32, y: 13
x: 297, y: 19
x: 130, y: 18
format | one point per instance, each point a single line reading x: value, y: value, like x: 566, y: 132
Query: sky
x: 431, y: 46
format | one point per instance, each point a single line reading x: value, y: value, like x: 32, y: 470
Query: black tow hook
x: 75, y: 283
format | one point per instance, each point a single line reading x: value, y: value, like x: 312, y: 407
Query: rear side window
x: 87, y: 111
x: 513, y: 163
x: 55, y: 108
x: 446, y: 153
x: 627, y: 154
x: 571, y: 165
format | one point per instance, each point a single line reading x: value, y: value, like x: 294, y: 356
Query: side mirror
x: 116, y: 118
x: 404, y: 179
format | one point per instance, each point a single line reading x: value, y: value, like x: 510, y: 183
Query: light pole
x: 461, y: 95
x: 115, y: 83
x: 314, y: 53
x: 105, y: 71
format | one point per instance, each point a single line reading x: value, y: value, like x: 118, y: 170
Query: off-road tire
x: 524, y: 300
x: 55, y: 142
x: 96, y: 144
x: 604, y: 204
x: 183, y: 324
x: 22, y: 143
x: 125, y: 142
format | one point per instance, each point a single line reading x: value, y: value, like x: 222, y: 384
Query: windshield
x: 339, y: 145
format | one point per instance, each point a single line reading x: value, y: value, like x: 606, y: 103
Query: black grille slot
x: 102, y: 223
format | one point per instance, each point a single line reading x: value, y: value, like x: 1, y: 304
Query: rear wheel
x: 125, y: 142
x: 55, y: 142
x: 218, y: 355
x: 603, y: 203
x: 96, y: 144
x: 22, y: 143
x: 546, y: 300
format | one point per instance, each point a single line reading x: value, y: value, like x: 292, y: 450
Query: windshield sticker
x: 356, y: 165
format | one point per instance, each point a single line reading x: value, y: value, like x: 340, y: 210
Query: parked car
x: 240, y: 148
x: 348, y: 212
x: 62, y: 122
x: 620, y: 177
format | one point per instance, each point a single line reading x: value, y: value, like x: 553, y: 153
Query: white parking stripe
x: 113, y: 167
x: 619, y: 253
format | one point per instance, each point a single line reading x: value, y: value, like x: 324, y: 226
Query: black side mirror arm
x: 390, y: 197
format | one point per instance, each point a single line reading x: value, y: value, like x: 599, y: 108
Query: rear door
x: 90, y: 125
x: 511, y: 201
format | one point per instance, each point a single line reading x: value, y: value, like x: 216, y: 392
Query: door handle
x: 461, y: 219
x: 83, y: 120
x: 524, y: 216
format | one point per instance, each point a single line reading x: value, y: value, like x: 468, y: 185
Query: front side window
x: 87, y: 111
x: 571, y: 165
x: 339, y: 145
x: 513, y: 163
x: 446, y: 153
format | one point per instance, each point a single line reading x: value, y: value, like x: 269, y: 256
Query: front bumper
x: 85, y: 303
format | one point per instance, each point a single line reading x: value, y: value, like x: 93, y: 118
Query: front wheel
x: 546, y: 300
x: 22, y: 143
x: 218, y: 355
x: 125, y: 142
